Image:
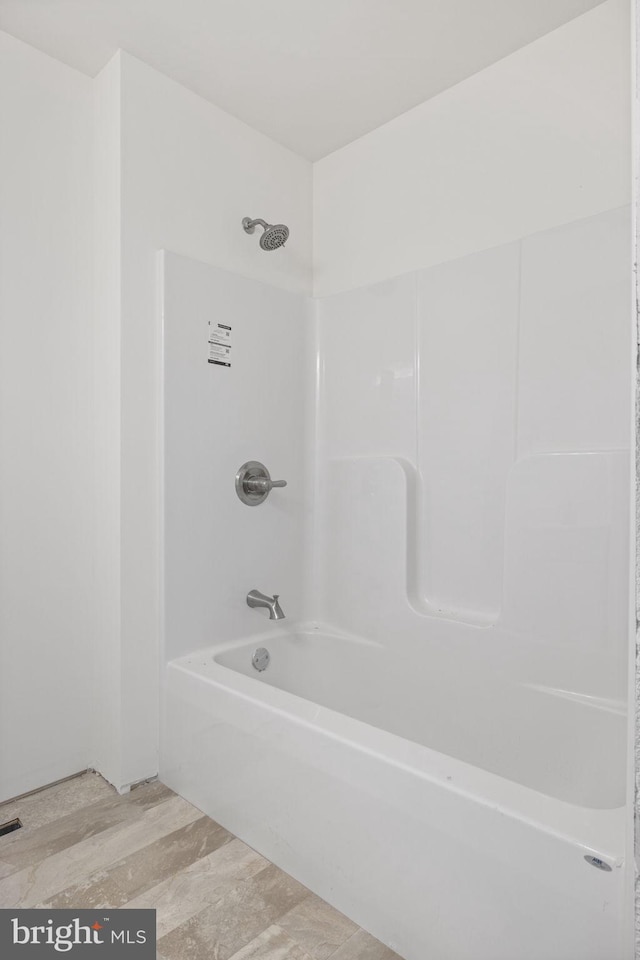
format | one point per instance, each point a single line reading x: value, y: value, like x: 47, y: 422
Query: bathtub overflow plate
x: 261, y: 659
x: 597, y: 862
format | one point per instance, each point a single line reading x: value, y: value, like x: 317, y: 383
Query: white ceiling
x: 312, y: 74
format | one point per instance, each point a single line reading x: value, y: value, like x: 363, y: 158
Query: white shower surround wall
x: 474, y: 438
x: 216, y: 419
x: 374, y: 759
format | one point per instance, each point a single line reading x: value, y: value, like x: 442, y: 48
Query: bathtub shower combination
x: 400, y: 673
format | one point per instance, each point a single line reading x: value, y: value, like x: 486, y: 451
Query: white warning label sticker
x: 220, y: 344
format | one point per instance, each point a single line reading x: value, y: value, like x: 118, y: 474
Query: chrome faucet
x: 257, y: 599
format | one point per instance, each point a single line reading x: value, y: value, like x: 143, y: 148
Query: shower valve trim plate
x: 254, y: 483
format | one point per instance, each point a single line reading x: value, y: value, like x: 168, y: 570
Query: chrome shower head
x: 274, y: 234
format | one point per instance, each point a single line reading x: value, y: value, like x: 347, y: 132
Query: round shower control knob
x: 254, y: 483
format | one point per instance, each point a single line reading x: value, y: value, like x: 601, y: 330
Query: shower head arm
x: 250, y: 225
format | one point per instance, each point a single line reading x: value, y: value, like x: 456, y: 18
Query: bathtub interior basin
x: 558, y: 743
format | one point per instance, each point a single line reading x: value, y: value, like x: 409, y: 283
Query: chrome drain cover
x: 261, y: 659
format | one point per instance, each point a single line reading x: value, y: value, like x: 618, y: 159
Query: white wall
x: 47, y: 507
x: 107, y: 701
x: 188, y: 173
x: 538, y: 139
x: 217, y: 418
x: 79, y: 552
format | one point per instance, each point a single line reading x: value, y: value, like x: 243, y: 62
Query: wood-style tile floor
x: 82, y: 845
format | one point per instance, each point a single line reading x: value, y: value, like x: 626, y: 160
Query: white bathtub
x: 450, y: 817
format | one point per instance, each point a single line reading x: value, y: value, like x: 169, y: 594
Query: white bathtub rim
x: 597, y: 831
x: 608, y: 705
x: 316, y: 627
x: 289, y: 628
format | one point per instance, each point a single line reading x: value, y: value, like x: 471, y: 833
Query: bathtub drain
x: 261, y: 659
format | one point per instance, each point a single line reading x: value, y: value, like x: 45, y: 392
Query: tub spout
x: 257, y: 599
